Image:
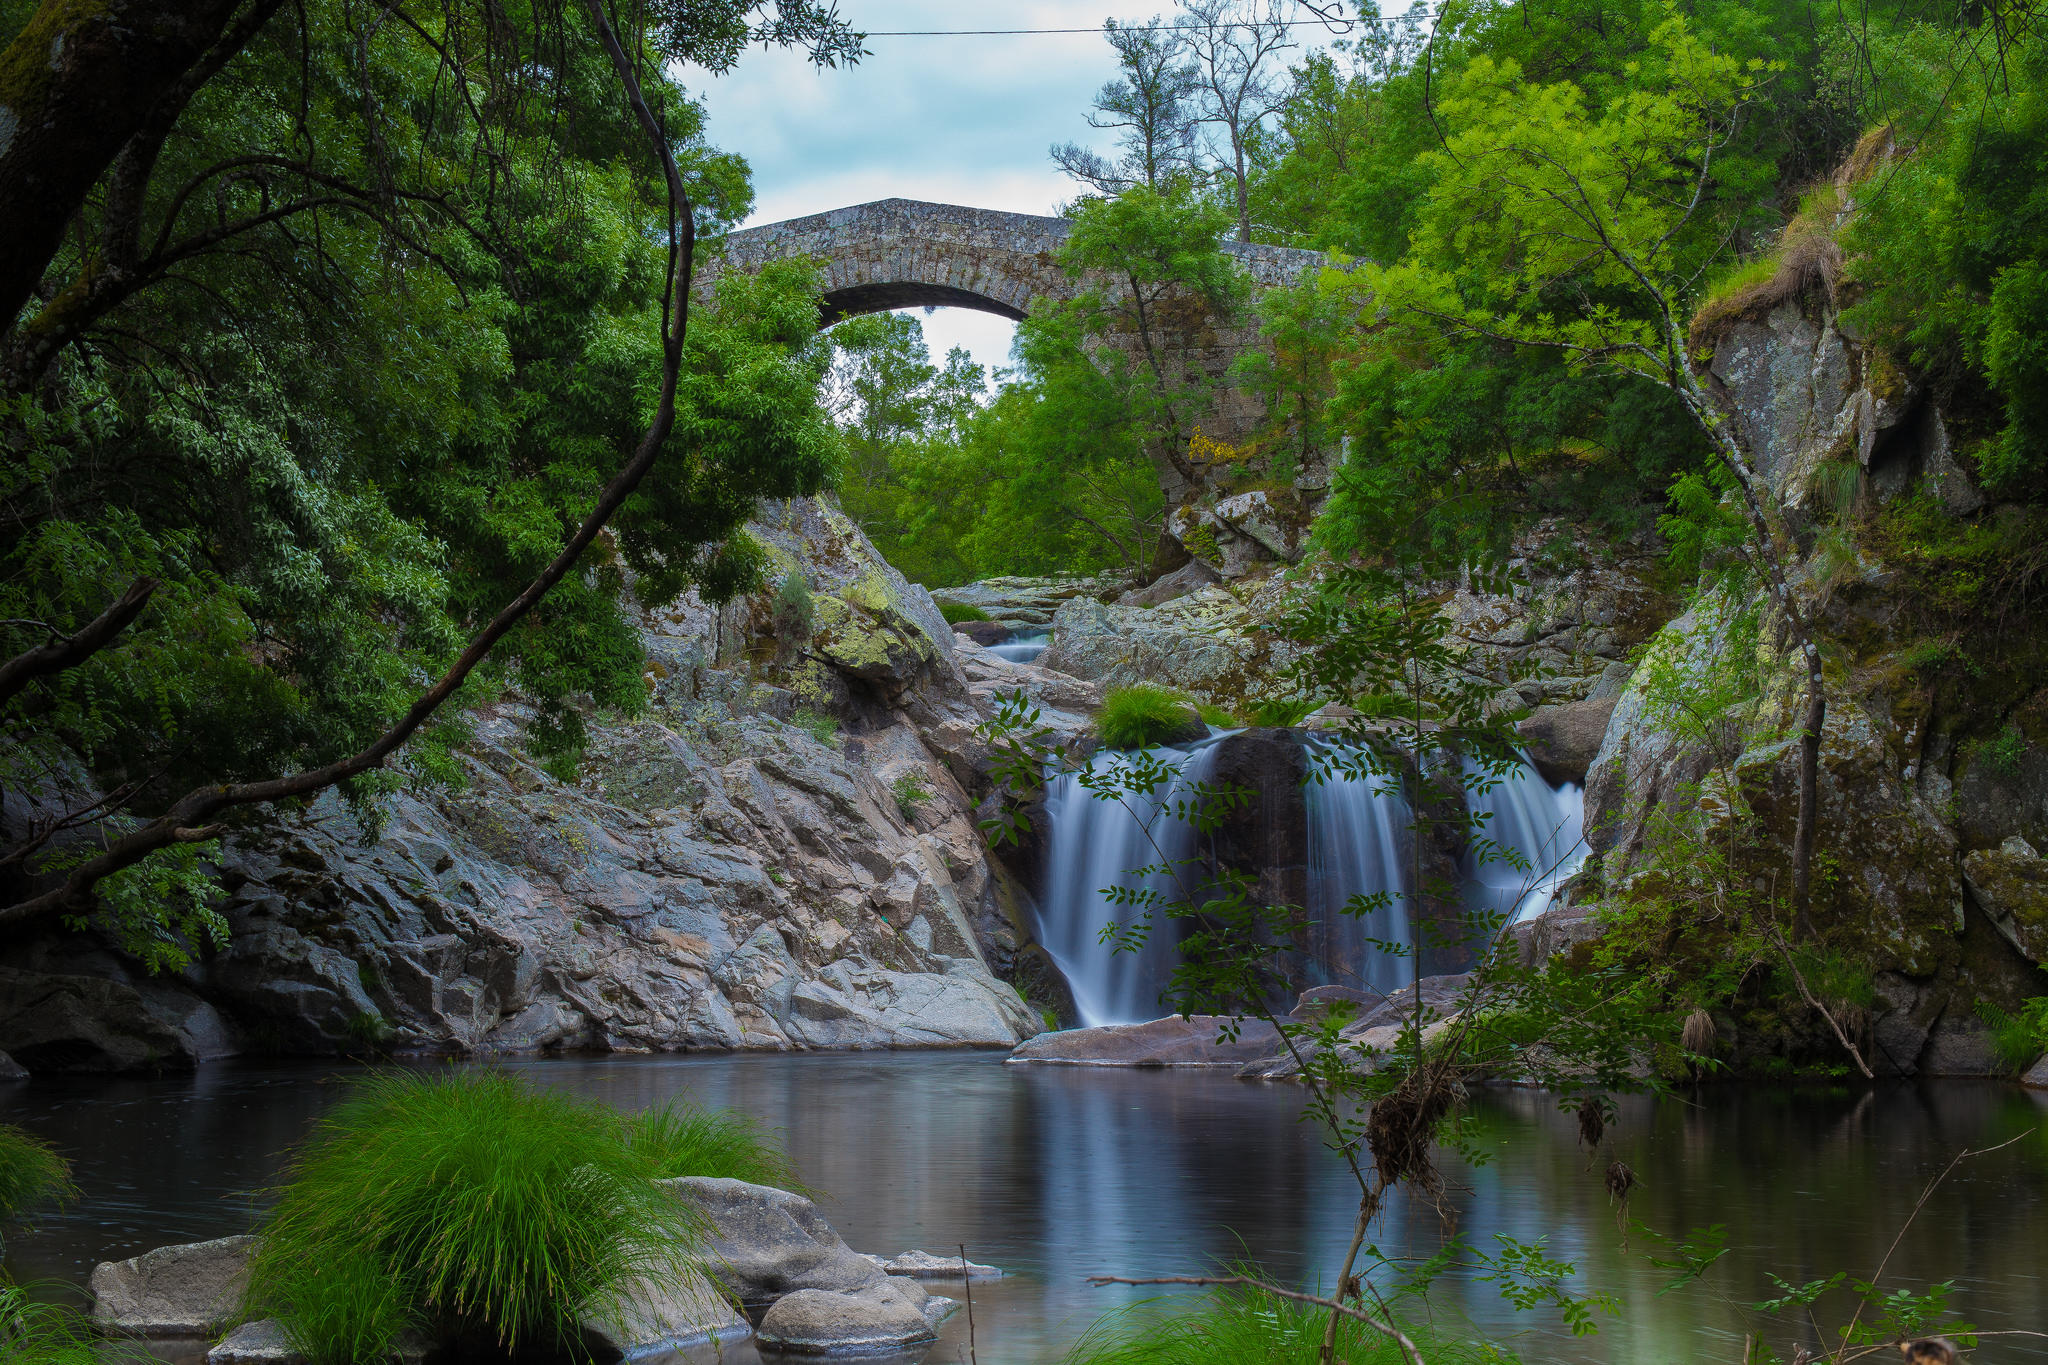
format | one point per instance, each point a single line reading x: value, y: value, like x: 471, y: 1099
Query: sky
x: 956, y: 120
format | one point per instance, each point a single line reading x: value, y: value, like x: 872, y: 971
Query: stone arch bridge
x: 902, y: 253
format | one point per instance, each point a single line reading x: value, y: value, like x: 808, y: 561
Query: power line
x: 1032, y: 32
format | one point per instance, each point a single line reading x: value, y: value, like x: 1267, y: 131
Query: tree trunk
x: 75, y: 85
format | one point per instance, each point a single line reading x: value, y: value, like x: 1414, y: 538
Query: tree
x: 1149, y: 108
x: 1555, y: 227
x: 326, y: 623
x: 1170, y: 281
x: 1234, y: 44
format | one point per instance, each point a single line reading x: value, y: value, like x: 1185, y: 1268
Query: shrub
x: 795, y: 612
x: 818, y: 726
x: 957, y: 612
x: 31, y: 1172
x: 682, y: 1139
x: 1141, y: 716
x: 1251, y: 1328
x: 469, y: 1204
x: 2019, y: 1038
x: 911, y: 791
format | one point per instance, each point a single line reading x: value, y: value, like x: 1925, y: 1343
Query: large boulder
x: 1563, y: 739
x: 767, y: 1243
x: 885, y: 1317
x: 1169, y: 1042
x: 190, y: 1290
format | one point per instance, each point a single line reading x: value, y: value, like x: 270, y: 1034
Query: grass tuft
x: 1251, y: 1328
x: 682, y: 1139
x: 34, y: 1331
x: 957, y: 613
x: 469, y: 1205
x: 31, y: 1172
x: 1141, y: 716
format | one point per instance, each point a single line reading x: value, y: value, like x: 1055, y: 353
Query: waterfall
x: 1545, y: 824
x: 1358, y: 828
x: 1022, y: 649
x: 1093, y: 843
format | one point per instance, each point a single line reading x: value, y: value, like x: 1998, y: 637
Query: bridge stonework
x: 904, y: 253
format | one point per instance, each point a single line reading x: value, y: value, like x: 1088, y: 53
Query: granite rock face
x: 778, y: 853
x: 1169, y: 1042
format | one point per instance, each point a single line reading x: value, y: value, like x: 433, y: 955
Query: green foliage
x: 912, y: 789
x: 31, y: 1172
x: 795, y: 610
x: 818, y: 725
x: 2019, y: 1038
x: 1248, y: 1327
x: 36, y: 1332
x: 1283, y: 711
x: 1141, y: 716
x: 466, y: 1202
x: 957, y: 613
x: 685, y: 1139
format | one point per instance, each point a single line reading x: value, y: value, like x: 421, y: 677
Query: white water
x: 1544, y: 824
x: 1024, y: 649
x: 1093, y: 844
x: 1357, y: 830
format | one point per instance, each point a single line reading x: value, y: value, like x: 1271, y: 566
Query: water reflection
x: 1059, y: 1173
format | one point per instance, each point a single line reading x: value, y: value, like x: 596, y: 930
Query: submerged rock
x: 193, y: 1289
x: 923, y: 1265
x: 1172, y: 1041
x: 263, y: 1342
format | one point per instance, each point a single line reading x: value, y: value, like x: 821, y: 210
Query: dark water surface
x: 1059, y: 1173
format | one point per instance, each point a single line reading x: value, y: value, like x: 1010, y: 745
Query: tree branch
x: 55, y: 656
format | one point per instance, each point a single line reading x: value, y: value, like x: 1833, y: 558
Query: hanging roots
x: 1698, y: 1035
x: 1592, y: 1121
x: 1620, y: 1180
x: 1402, y: 1127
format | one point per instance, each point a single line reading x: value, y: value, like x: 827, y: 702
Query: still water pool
x: 1057, y: 1174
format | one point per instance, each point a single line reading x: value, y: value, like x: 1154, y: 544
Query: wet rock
x: 1172, y: 1041
x: 2036, y: 1076
x: 768, y: 1243
x: 264, y: 1342
x: 70, y: 1020
x: 1904, y: 1016
x: 1563, y: 739
x: 1028, y: 601
x: 923, y: 1265
x: 888, y: 1316
x: 11, y: 1070
x: 652, y: 1316
x: 189, y: 1290
x: 1375, y: 1027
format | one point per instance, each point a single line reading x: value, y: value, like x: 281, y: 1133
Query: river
x: 1059, y: 1173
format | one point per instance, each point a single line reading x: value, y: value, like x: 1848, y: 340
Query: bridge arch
x: 905, y: 253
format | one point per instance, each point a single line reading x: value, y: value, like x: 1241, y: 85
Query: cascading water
x: 1544, y: 824
x: 1093, y: 844
x: 1022, y: 649
x: 1358, y: 828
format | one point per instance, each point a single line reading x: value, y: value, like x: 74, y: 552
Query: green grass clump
x: 684, y: 1139
x: 819, y: 726
x: 1142, y: 715
x: 957, y: 612
x: 31, y: 1172
x: 34, y: 1332
x: 469, y: 1205
x: 1249, y: 1328
x: 1285, y: 712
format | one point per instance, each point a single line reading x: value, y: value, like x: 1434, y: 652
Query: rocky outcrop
x: 1199, y: 1041
x: 778, y: 853
x: 1209, y: 643
x: 657, y: 1315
